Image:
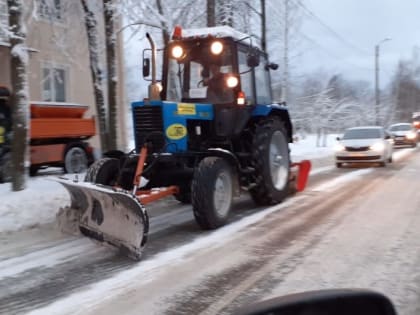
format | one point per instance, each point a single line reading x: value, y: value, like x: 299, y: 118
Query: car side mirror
x: 387, y: 137
x: 338, y: 138
x: 325, y: 302
x: 146, y: 67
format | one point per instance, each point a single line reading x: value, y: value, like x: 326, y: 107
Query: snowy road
x: 352, y: 227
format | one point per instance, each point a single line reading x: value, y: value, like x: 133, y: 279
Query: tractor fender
x: 232, y: 160
x: 114, y: 154
x: 277, y: 110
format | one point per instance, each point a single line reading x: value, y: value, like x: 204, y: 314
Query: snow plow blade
x: 109, y: 215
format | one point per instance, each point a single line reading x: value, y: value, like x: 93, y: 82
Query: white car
x: 364, y: 144
x: 403, y: 134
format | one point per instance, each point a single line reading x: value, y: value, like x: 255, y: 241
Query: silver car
x: 364, y: 144
x: 404, y: 134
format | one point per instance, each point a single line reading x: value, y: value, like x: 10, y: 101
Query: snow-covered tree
x: 405, y: 87
x: 110, y: 43
x: 96, y: 71
x: 20, y: 91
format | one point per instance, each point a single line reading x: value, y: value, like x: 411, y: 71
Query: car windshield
x: 405, y: 127
x: 362, y: 134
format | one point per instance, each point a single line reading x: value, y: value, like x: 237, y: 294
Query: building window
x: 54, y: 79
x: 50, y: 9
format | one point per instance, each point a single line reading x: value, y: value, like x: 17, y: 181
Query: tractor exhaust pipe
x: 154, y: 91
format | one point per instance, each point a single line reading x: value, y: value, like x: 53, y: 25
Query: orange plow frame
x: 299, y: 173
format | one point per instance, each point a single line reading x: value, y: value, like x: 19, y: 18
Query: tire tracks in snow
x: 282, y: 248
x: 49, y: 284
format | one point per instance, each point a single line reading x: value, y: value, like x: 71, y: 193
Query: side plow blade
x: 109, y: 215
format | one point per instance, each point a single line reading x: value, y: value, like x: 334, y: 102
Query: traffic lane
x: 171, y: 226
x: 375, y: 247
x: 207, y: 275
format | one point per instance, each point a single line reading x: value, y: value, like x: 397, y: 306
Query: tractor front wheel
x: 104, y: 171
x: 212, y: 192
x: 271, y: 162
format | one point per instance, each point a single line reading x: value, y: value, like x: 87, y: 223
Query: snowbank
x: 306, y: 148
x: 35, y: 205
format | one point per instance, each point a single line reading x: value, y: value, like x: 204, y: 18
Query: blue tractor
x: 208, y: 130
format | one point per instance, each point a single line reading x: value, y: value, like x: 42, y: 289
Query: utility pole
x: 263, y: 27
x: 377, y: 92
x: 285, y: 52
x: 377, y: 85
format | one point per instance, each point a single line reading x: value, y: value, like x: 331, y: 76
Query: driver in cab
x: 216, y: 83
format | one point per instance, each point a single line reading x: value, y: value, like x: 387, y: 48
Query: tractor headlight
x: 379, y: 146
x: 216, y: 48
x: 177, y: 52
x: 232, y: 81
x: 411, y: 135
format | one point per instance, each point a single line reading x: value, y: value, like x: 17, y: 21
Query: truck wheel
x: 6, y: 168
x: 104, y: 171
x: 271, y: 162
x: 212, y: 192
x: 33, y: 170
x: 75, y: 160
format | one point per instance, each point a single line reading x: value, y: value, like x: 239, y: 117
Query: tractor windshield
x: 197, y: 73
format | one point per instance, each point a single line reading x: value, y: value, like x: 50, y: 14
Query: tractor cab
x: 218, y: 66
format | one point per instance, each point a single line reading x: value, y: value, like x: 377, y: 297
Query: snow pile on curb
x: 37, y: 204
x: 306, y: 148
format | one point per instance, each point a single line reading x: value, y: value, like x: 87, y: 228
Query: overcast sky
x: 359, y: 26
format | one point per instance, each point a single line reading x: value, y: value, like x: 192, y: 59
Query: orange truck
x: 58, y: 134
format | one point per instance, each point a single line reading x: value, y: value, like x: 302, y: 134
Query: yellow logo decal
x: 186, y: 109
x: 176, y: 131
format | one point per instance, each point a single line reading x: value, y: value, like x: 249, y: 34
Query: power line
x: 330, y: 29
x: 329, y: 53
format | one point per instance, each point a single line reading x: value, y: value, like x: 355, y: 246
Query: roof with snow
x: 219, y: 32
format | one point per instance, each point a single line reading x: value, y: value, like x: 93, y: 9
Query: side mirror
x: 253, y: 61
x: 387, y: 137
x: 146, y: 67
x: 325, y: 302
x: 205, y: 73
x: 338, y: 138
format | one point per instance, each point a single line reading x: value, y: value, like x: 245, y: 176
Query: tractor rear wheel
x: 104, y: 171
x: 212, y: 192
x: 271, y: 161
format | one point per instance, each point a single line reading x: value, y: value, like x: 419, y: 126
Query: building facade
x: 59, y: 67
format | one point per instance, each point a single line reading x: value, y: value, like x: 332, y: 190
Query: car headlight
x: 379, y: 146
x: 411, y: 135
x: 339, y: 147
